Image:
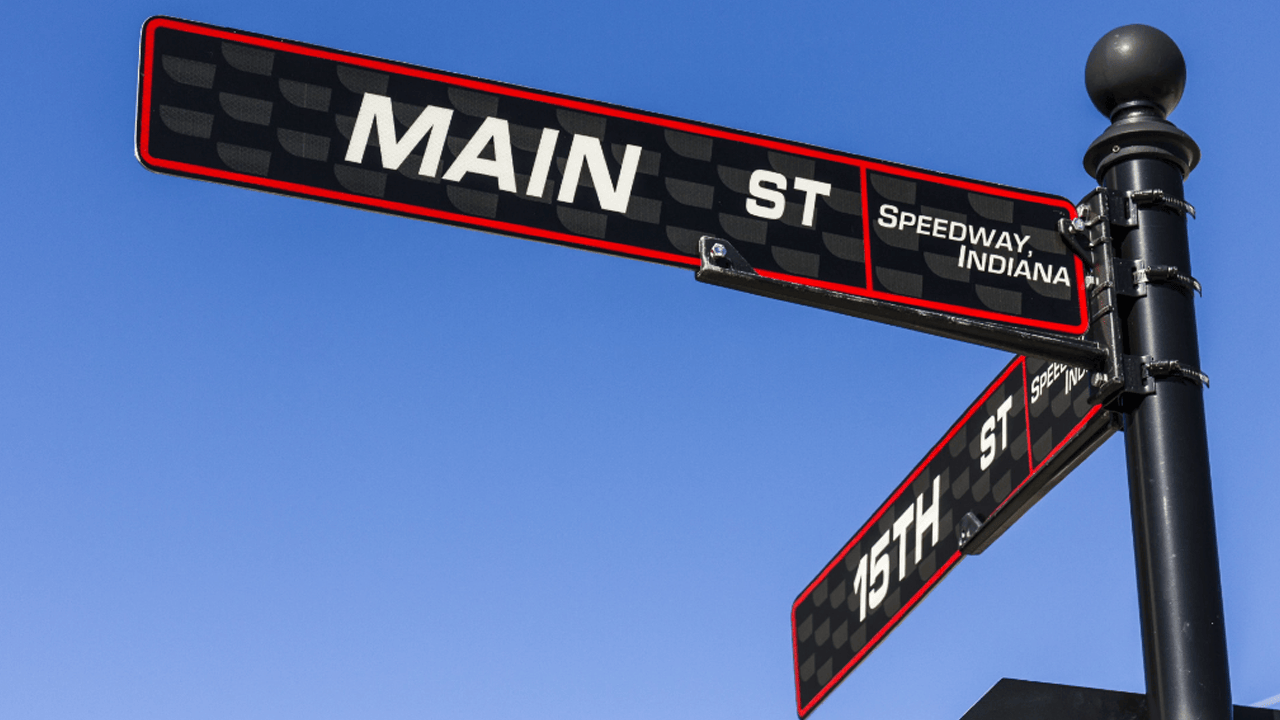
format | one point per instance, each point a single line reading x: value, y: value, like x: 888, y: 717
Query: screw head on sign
x: 719, y: 250
x: 969, y: 527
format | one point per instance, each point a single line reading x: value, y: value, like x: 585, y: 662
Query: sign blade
x: 1027, y: 430
x: 285, y: 117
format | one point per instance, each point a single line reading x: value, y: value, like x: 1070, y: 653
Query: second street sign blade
x: 1030, y: 427
x: 285, y: 117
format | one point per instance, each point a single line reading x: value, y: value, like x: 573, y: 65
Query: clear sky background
x: 263, y: 457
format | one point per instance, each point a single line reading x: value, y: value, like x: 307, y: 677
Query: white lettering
x: 895, y: 218
x: 1001, y: 265
x: 542, y: 163
x: 981, y: 235
x: 376, y: 110
x: 811, y: 189
x: 492, y: 131
x: 768, y: 185
x: 1002, y: 413
x: 1045, y: 379
x: 872, y: 594
x: 488, y: 152
x: 987, y: 440
x: 588, y: 151
x: 860, y: 588
x: 927, y: 519
x: 879, y: 570
x: 888, y: 216
x: 977, y: 260
x: 1041, y: 382
x: 900, y: 534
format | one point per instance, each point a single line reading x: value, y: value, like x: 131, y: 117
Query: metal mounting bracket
x: 1116, y: 207
x: 1138, y: 381
x: 1121, y: 208
x: 1112, y: 278
x: 1159, y: 199
x: 1095, y: 218
x: 1141, y: 372
x: 1135, y: 275
x: 721, y: 264
x: 968, y: 528
x: 1071, y: 232
x: 1172, y: 368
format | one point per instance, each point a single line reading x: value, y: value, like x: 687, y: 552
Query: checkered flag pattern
x: 850, y: 608
x: 1030, y: 427
x: 255, y: 112
x: 1059, y: 402
x: 284, y: 117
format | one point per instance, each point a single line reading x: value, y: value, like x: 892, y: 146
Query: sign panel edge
x: 142, y: 150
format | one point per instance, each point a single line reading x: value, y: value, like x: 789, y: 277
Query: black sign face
x: 295, y: 119
x: 1030, y: 427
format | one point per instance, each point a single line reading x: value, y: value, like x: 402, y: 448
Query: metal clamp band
x: 1165, y: 274
x: 1172, y: 368
x: 1121, y: 208
x: 1133, y: 282
x: 1157, y: 197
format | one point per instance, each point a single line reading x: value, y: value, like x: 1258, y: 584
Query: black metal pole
x: 1135, y: 75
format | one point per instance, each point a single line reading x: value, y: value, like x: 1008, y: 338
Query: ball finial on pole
x: 1135, y: 76
x: 1135, y: 64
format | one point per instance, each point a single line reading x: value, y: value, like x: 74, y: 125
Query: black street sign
x: 285, y: 117
x: 1027, y: 430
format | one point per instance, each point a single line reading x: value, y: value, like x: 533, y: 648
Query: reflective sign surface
x: 1030, y: 427
x: 284, y: 117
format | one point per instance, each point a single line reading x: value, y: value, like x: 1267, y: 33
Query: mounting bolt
x: 969, y: 527
x: 1077, y: 224
x: 718, y: 250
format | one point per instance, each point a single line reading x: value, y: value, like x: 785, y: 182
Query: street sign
x: 955, y: 257
x: 284, y: 117
x: 1027, y: 430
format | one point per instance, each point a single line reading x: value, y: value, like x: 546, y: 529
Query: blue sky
x: 268, y: 458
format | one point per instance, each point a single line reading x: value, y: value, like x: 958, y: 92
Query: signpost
x: 954, y: 257
x: 1135, y: 76
x: 947, y: 255
x: 1023, y: 434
